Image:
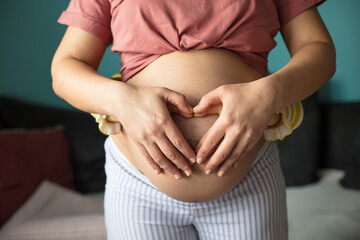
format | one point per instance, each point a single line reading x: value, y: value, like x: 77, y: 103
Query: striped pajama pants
x: 254, y: 210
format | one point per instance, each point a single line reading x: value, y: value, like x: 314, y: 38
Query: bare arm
x: 248, y: 108
x: 74, y: 74
x: 312, y: 61
x: 142, y: 110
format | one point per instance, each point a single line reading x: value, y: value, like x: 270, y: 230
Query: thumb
x: 209, y: 103
x: 177, y: 103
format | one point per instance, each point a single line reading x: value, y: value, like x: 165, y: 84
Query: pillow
x: 86, y: 142
x: 2, y: 124
x: 341, y: 140
x: 27, y: 158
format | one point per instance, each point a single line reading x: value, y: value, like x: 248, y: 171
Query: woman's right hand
x: 145, y: 115
x: 143, y: 111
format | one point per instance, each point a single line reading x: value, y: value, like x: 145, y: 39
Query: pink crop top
x: 143, y: 30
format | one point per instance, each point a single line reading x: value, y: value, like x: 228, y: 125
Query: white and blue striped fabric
x: 254, y: 210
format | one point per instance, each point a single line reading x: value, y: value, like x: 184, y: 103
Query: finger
x: 162, y: 161
x: 240, y: 150
x: 177, y: 139
x: 210, y: 99
x: 178, y: 103
x: 214, y: 135
x: 201, y: 142
x: 251, y: 144
x: 221, y: 153
x: 232, y: 160
x: 148, y: 158
x: 214, y: 109
x: 175, y: 110
x: 173, y: 155
x: 211, y: 153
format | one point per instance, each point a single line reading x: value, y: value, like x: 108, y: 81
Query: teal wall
x: 342, y: 18
x: 28, y: 40
x: 30, y: 35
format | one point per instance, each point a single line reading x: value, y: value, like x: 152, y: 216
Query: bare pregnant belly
x: 192, y: 73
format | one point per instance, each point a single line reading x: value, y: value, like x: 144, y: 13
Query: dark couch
x: 328, y: 138
x: 85, y: 140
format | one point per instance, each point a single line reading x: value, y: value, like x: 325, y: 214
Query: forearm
x: 310, y: 68
x: 81, y: 86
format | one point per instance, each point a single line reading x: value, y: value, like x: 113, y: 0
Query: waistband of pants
x: 124, y: 163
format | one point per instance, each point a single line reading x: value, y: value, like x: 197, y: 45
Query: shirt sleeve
x: 288, y: 9
x: 92, y: 16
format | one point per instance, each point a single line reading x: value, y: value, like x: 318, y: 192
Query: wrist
x: 117, y: 97
x: 271, y: 92
x: 110, y: 123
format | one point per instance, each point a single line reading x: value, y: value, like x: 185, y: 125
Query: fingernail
x: 208, y: 172
x: 192, y: 160
x: 188, y: 173
x: 177, y: 177
x: 221, y: 173
x: 236, y: 164
x: 200, y: 160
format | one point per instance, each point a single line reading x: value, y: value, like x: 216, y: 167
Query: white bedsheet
x: 54, y: 212
x: 324, y: 210
x: 320, y: 211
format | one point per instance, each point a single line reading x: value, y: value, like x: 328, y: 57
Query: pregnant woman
x: 194, y: 100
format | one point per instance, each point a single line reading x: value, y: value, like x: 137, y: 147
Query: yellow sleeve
x: 291, y: 118
x: 105, y: 126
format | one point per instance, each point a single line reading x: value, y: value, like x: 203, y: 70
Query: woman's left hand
x: 245, y: 110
